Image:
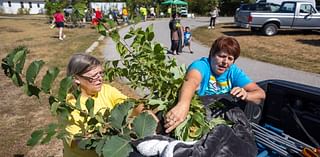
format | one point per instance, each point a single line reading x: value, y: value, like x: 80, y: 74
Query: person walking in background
x: 58, y: 20
x: 98, y: 14
x: 180, y: 34
x: 152, y: 12
x: 187, y: 38
x: 169, y: 11
x: 144, y: 12
x: 174, y: 26
x: 115, y: 15
x: 125, y: 15
x: 213, y: 15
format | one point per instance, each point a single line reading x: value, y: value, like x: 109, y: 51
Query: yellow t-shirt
x: 106, y: 99
x: 124, y: 12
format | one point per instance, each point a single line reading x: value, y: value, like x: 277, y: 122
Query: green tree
x: 53, y: 6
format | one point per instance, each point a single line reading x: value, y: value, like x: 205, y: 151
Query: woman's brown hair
x: 225, y: 44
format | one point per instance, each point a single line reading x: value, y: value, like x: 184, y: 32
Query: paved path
x: 257, y: 70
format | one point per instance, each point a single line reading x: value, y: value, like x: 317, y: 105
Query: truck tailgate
x: 241, y: 18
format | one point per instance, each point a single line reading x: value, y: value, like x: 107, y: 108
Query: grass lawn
x: 295, y: 49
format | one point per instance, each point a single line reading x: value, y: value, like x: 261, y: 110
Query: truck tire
x: 270, y: 29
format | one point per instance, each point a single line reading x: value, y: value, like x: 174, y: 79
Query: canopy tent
x: 174, y: 2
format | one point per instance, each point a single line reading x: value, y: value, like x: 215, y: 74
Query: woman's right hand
x: 176, y: 116
x: 179, y: 112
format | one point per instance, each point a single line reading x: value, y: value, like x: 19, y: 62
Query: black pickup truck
x: 290, y: 107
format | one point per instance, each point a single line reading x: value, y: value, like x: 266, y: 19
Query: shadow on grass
x: 238, y: 33
x: 312, y: 42
x: 231, y: 26
x: 54, y: 36
x: 298, y: 32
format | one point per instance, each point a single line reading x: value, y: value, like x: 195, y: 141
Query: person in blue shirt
x: 216, y: 74
x: 187, y: 38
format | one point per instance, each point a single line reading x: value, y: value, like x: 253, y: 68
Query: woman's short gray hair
x: 81, y: 63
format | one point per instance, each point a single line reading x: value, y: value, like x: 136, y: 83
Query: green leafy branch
x: 145, y: 65
x: 102, y: 130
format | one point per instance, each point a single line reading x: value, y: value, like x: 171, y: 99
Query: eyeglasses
x: 93, y: 78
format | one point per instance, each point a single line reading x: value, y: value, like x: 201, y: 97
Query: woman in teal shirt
x: 216, y: 74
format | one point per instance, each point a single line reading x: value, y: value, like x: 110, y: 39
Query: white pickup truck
x: 291, y: 15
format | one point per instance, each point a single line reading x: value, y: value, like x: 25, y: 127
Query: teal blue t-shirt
x: 212, y: 84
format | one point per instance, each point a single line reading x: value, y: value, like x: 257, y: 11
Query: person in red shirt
x: 58, y: 19
x: 98, y: 14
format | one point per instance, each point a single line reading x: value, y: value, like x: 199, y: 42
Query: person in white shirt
x: 213, y: 15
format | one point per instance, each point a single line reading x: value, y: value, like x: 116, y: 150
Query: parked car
x: 280, y: 1
x: 68, y: 10
x: 291, y: 15
x: 183, y: 11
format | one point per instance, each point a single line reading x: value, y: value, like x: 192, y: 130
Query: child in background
x: 58, y: 20
x: 187, y: 38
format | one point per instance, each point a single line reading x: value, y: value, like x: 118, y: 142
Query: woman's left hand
x: 239, y: 93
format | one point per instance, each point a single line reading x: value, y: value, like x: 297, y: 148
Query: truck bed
x: 282, y: 95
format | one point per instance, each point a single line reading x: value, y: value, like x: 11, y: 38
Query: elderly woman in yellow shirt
x: 88, y: 77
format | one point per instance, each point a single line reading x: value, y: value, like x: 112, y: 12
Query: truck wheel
x: 270, y: 29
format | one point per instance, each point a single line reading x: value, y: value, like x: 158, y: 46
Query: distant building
x: 26, y: 6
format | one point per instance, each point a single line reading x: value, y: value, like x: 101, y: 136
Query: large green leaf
x: 101, y: 29
x: 65, y: 85
x: 144, y: 125
x: 120, y: 48
x: 199, y: 118
x: 155, y: 102
x: 128, y: 36
x: 99, y: 146
x: 84, y: 143
x: 31, y: 90
x: 16, y: 78
x: 53, y: 108
x: 89, y: 106
x: 117, y: 147
x: 63, y: 111
x: 150, y: 36
x: 119, y: 113
x: 35, y: 137
x: 19, y: 59
x: 50, y: 132
x: 15, y: 55
x: 181, y: 131
x: 115, y: 36
x: 33, y: 71
x: 48, y: 79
